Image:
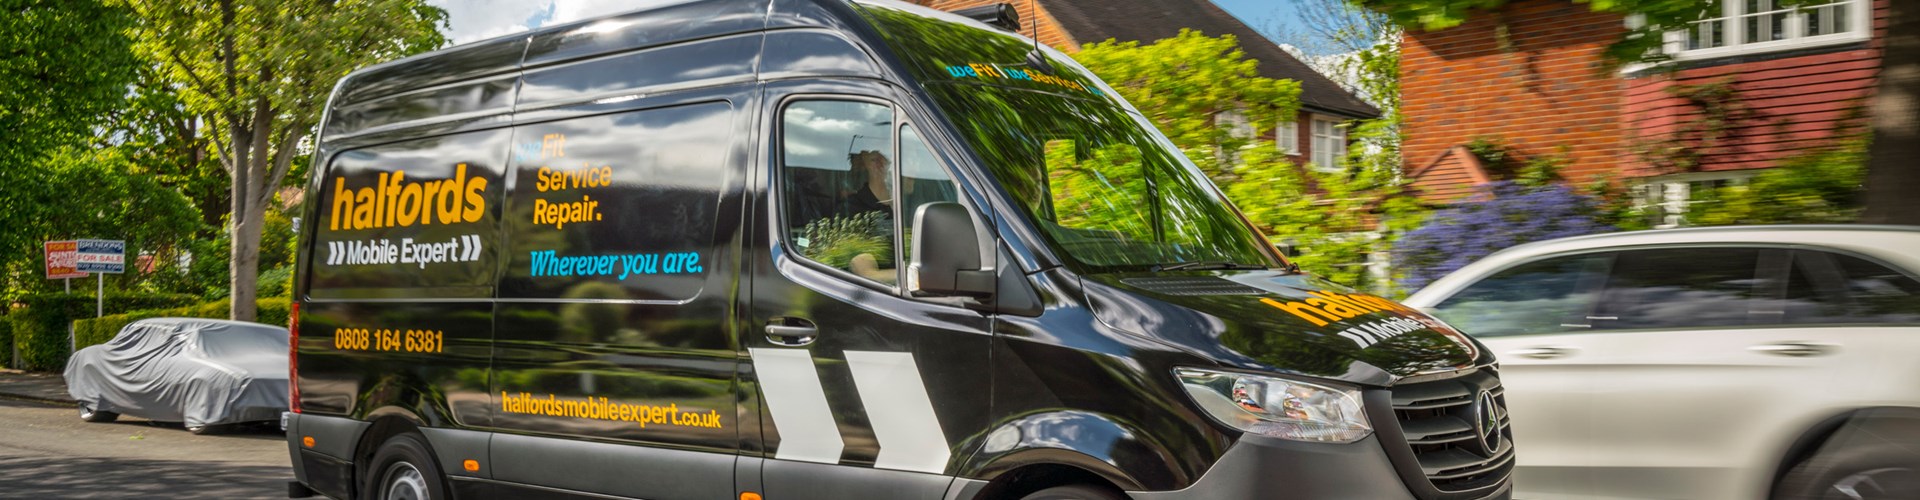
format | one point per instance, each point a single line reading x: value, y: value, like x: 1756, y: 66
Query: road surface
x: 47, y: 452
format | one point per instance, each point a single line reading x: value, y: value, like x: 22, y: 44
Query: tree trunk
x: 245, y: 263
x: 1893, y: 176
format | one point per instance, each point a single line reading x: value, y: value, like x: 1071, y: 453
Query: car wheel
x: 1874, y: 472
x: 1075, y: 492
x: 208, y: 429
x: 402, y: 469
x: 88, y: 413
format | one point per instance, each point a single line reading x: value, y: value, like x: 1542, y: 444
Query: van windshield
x: 1105, y: 187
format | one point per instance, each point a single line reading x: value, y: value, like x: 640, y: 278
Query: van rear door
x: 867, y: 392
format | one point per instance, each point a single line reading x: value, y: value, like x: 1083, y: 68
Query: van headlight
x: 1277, y: 407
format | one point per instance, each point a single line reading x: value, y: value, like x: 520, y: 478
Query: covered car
x: 201, y: 372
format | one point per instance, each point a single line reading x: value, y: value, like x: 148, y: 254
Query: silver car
x: 1713, y: 363
x: 204, y: 373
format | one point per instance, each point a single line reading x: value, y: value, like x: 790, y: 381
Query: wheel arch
x: 385, y: 423
x: 1815, y: 437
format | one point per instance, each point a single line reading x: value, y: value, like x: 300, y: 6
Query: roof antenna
x: 1037, y: 59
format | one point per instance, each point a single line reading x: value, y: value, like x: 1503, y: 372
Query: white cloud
x: 474, y: 20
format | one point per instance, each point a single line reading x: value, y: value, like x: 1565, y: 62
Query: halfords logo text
x: 1328, y: 307
x: 395, y: 201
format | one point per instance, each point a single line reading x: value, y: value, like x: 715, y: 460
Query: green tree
x: 95, y: 193
x: 1820, y: 186
x: 257, y: 73
x: 66, y: 64
x: 1184, y: 83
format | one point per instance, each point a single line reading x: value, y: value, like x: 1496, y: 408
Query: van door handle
x: 1794, y: 349
x: 791, y: 331
x: 1543, y: 352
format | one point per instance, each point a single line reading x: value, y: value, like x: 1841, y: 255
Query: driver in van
x: 871, y: 191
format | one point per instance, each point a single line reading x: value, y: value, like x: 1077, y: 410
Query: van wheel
x: 403, y: 470
x: 1874, y: 472
x: 1075, y: 492
x: 89, y: 414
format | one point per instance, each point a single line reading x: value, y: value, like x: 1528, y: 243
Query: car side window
x: 1686, y: 288
x: 1875, y: 293
x: 1544, y: 296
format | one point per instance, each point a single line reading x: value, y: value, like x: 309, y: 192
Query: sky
x: 473, y: 20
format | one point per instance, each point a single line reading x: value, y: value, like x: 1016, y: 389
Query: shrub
x: 40, y: 328
x: 1505, y: 214
x: 95, y: 331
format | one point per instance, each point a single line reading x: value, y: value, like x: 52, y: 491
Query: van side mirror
x: 946, y: 252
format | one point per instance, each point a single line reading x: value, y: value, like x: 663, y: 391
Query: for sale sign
x: 61, y: 258
x: 100, y: 256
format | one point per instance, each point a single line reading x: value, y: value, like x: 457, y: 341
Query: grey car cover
x: 195, y: 371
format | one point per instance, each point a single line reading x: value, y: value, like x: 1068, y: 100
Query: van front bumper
x: 1266, y: 467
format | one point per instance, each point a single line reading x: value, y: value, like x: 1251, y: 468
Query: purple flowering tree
x: 1504, y: 214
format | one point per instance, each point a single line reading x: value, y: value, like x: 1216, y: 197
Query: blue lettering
x: 547, y: 263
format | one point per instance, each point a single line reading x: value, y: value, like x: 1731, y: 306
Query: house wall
x: 1785, y: 104
x: 1541, y: 89
x: 1050, y: 32
x: 1544, y: 92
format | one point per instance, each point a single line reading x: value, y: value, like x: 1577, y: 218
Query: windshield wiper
x: 1204, y: 265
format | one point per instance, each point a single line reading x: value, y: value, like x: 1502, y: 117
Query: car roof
x: 1897, y: 244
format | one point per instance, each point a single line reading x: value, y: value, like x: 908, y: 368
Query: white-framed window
x: 1286, y: 136
x: 1329, y: 143
x: 1235, y: 122
x: 1754, y: 26
x: 1667, y: 200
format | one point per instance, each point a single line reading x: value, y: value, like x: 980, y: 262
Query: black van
x: 831, y: 249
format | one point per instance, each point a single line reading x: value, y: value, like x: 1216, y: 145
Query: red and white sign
x: 62, y: 257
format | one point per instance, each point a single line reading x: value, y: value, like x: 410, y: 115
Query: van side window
x: 838, y: 185
x: 619, y: 206
x: 416, y: 218
x: 1540, y: 297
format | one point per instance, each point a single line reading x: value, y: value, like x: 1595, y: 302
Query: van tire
x: 1881, y: 470
x: 1075, y: 492
x: 90, y: 414
x: 403, y: 469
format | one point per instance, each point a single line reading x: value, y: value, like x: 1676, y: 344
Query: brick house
x: 1743, y: 91
x: 1316, y: 136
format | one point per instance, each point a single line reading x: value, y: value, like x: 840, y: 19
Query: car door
x: 1684, y: 378
x: 1533, y: 316
x: 866, y: 390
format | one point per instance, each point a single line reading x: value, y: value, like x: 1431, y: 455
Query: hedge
x: 39, y: 329
x: 94, y: 331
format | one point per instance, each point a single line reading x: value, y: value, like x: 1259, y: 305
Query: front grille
x: 1436, y: 424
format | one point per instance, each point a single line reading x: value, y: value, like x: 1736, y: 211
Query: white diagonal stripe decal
x: 902, y: 414
x: 798, y: 403
x: 333, y: 253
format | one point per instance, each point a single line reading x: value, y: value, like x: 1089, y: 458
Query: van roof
x: 488, y: 79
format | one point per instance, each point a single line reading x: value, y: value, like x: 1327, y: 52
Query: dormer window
x: 1757, y: 26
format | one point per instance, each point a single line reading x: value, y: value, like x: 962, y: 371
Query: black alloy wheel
x: 1075, y: 492
x: 1883, y: 471
x: 403, y: 469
